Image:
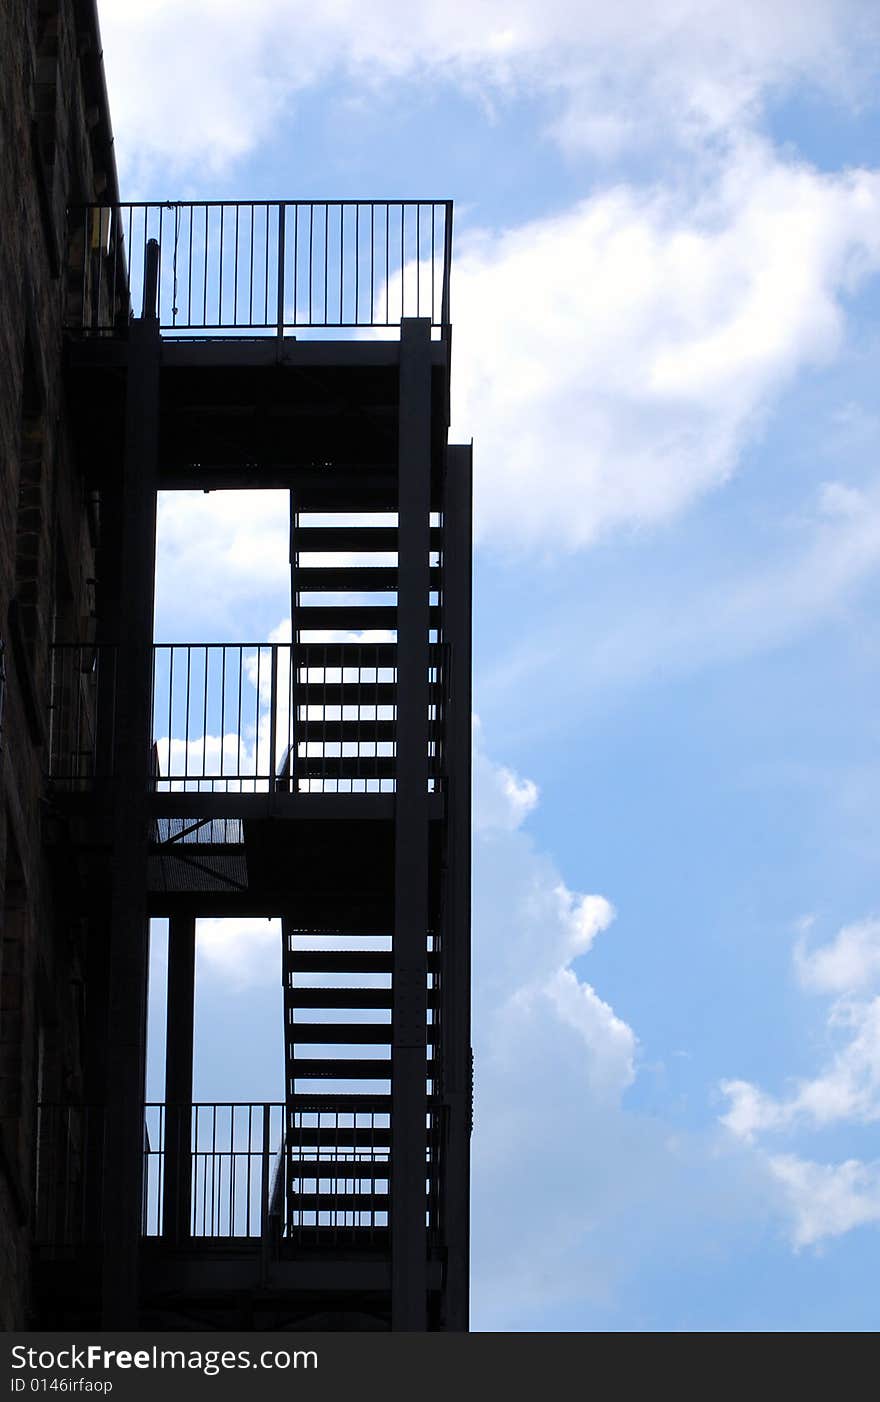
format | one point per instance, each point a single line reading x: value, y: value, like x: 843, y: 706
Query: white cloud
x: 574, y: 1191
x: 828, y: 1200
x: 846, y: 1090
x: 502, y: 800
x: 220, y: 554
x: 614, y: 362
x: 201, y: 82
x: 551, y: 1056
x: 825, y: 1199
x: 609, y: 1041
x: 847, y: 964
x: 553, y: 1063
x: 683, y: 616
x: 242, y: 953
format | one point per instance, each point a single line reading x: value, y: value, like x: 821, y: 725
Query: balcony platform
x: 198, y: 1282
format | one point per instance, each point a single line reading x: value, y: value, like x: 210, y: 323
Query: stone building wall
x: 55, y: 150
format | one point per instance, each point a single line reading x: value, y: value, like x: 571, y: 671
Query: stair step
x: 354, y: 654
x: 339, y: 1168
x: 348, y: 616
x: 346, y: 767
x: 367, y: 998
x: 337, y: 1033
x: 354, y: 617
x: 339, y: 1202
x: 305, y: 1137
x: 366, y: 693
x: 343, y: 1068
x: 348, y: 961
x: 331, y: 1102
x: 354, y: 539
x: 316, y: 1238
x: 364, y: 732
x: 363, y: 579
x: 338, y: 998
x: 343, y: 961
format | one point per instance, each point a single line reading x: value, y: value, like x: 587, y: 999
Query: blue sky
x: 666, y: 349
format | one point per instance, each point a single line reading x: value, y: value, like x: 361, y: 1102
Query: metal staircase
x: 338, y: 994
x: 323, y: 780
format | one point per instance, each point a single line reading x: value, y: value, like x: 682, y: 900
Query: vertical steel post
x: 180, y: 1013
x: 456, y: 972
x: 409, y: 959
x: 292, y: 665
x: 265, y: 1190
x: 447, y: 268
x: 129, y: 930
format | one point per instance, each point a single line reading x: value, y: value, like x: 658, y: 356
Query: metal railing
x: 265, y: 1170
x: 338, y: 1172
x: 68, y: 1198
x: 247, y: 717
x: 231, y: 1170
x: 249, y: 267
x: 82, y: 713
x: 243, y: 718
x: 208, y: 1169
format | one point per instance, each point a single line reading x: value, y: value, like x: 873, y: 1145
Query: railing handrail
x: 258, y: 204
x: 213, y: 1104
x: 287, y: 264
x: 245, y: 717
x: 223, y: 1169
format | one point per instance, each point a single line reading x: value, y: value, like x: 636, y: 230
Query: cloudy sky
x: 665, y: 297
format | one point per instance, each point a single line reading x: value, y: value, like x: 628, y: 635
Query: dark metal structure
x: 324, y: 780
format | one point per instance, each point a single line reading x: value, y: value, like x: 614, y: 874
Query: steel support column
x: 180, y: 1012
x: 409, y: 969
x: 129, y: 934
x: 456, y: 975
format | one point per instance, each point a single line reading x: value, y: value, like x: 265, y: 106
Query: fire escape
x: 323, y: 780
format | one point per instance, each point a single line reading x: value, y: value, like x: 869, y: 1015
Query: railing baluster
x: 205, y: 721
x: 220, y: 283
x: 161, y: 242
x: 266, y: 271
x: 387, y: 262
x: 189, y: 264
x: 296, y: 264
x: 326, y: 258
x: 311, y: 236
x: 238, y: 722
x: 372, y: 260
x: 213, y: 1169
x: 85, y: 266
x: 186, y: 731
x: 104, y: 290
x: 235, y: 282
x: 251, y: 278
x: 259, y: 652
x: 341, y: 256
x: 205, y: 279
x: 264, y: 1173
x: 233, y: 1169
x: 273, y: 716
x: 281, y: 235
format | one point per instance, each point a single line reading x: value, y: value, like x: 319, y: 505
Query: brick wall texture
x: 49, y: 156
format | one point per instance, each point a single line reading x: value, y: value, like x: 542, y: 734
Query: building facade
x: 323, y: 780
x: 57, y: 151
